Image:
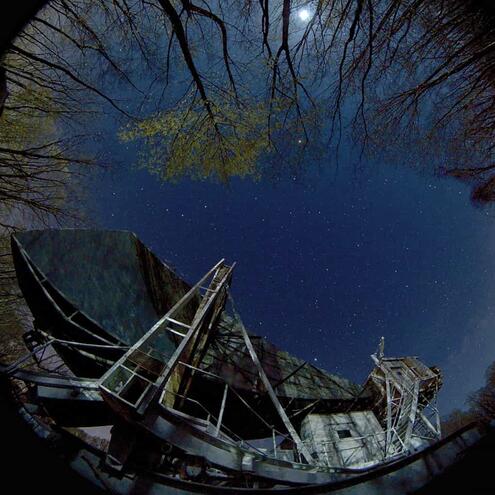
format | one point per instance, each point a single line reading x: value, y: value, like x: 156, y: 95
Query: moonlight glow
x: 304, y: 14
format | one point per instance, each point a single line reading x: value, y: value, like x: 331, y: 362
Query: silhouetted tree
x: 481, y: 406
x: 482, y: 402
x: 396, y: 70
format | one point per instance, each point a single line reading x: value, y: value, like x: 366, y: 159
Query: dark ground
x: 28, y: 466
x: 475, y: 474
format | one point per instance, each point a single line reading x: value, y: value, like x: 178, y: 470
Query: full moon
x: 304, y: 14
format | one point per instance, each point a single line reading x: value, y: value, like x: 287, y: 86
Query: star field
x: 326, y: 267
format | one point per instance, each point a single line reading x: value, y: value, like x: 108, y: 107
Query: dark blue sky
x: 326, y: 266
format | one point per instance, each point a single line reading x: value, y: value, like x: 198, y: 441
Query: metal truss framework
x: 138, y: 380
x: 144, y: 381
x: 407, y: 409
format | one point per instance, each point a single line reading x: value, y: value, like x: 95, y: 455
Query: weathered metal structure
x: 406, y: 407
x: 191, y: 396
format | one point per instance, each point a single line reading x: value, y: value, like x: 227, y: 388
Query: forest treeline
x: 480, y: 406
x: 220, y: 89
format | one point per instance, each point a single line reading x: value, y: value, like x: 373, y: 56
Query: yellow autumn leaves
x: 189, y: 141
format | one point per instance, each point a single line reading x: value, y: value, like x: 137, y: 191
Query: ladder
x: 142, y: 376
x: 404, y: 415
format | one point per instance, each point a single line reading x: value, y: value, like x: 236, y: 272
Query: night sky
x: 327, y: 262
x: 327, y: 265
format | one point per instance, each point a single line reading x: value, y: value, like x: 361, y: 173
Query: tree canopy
x: 208, y: 88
